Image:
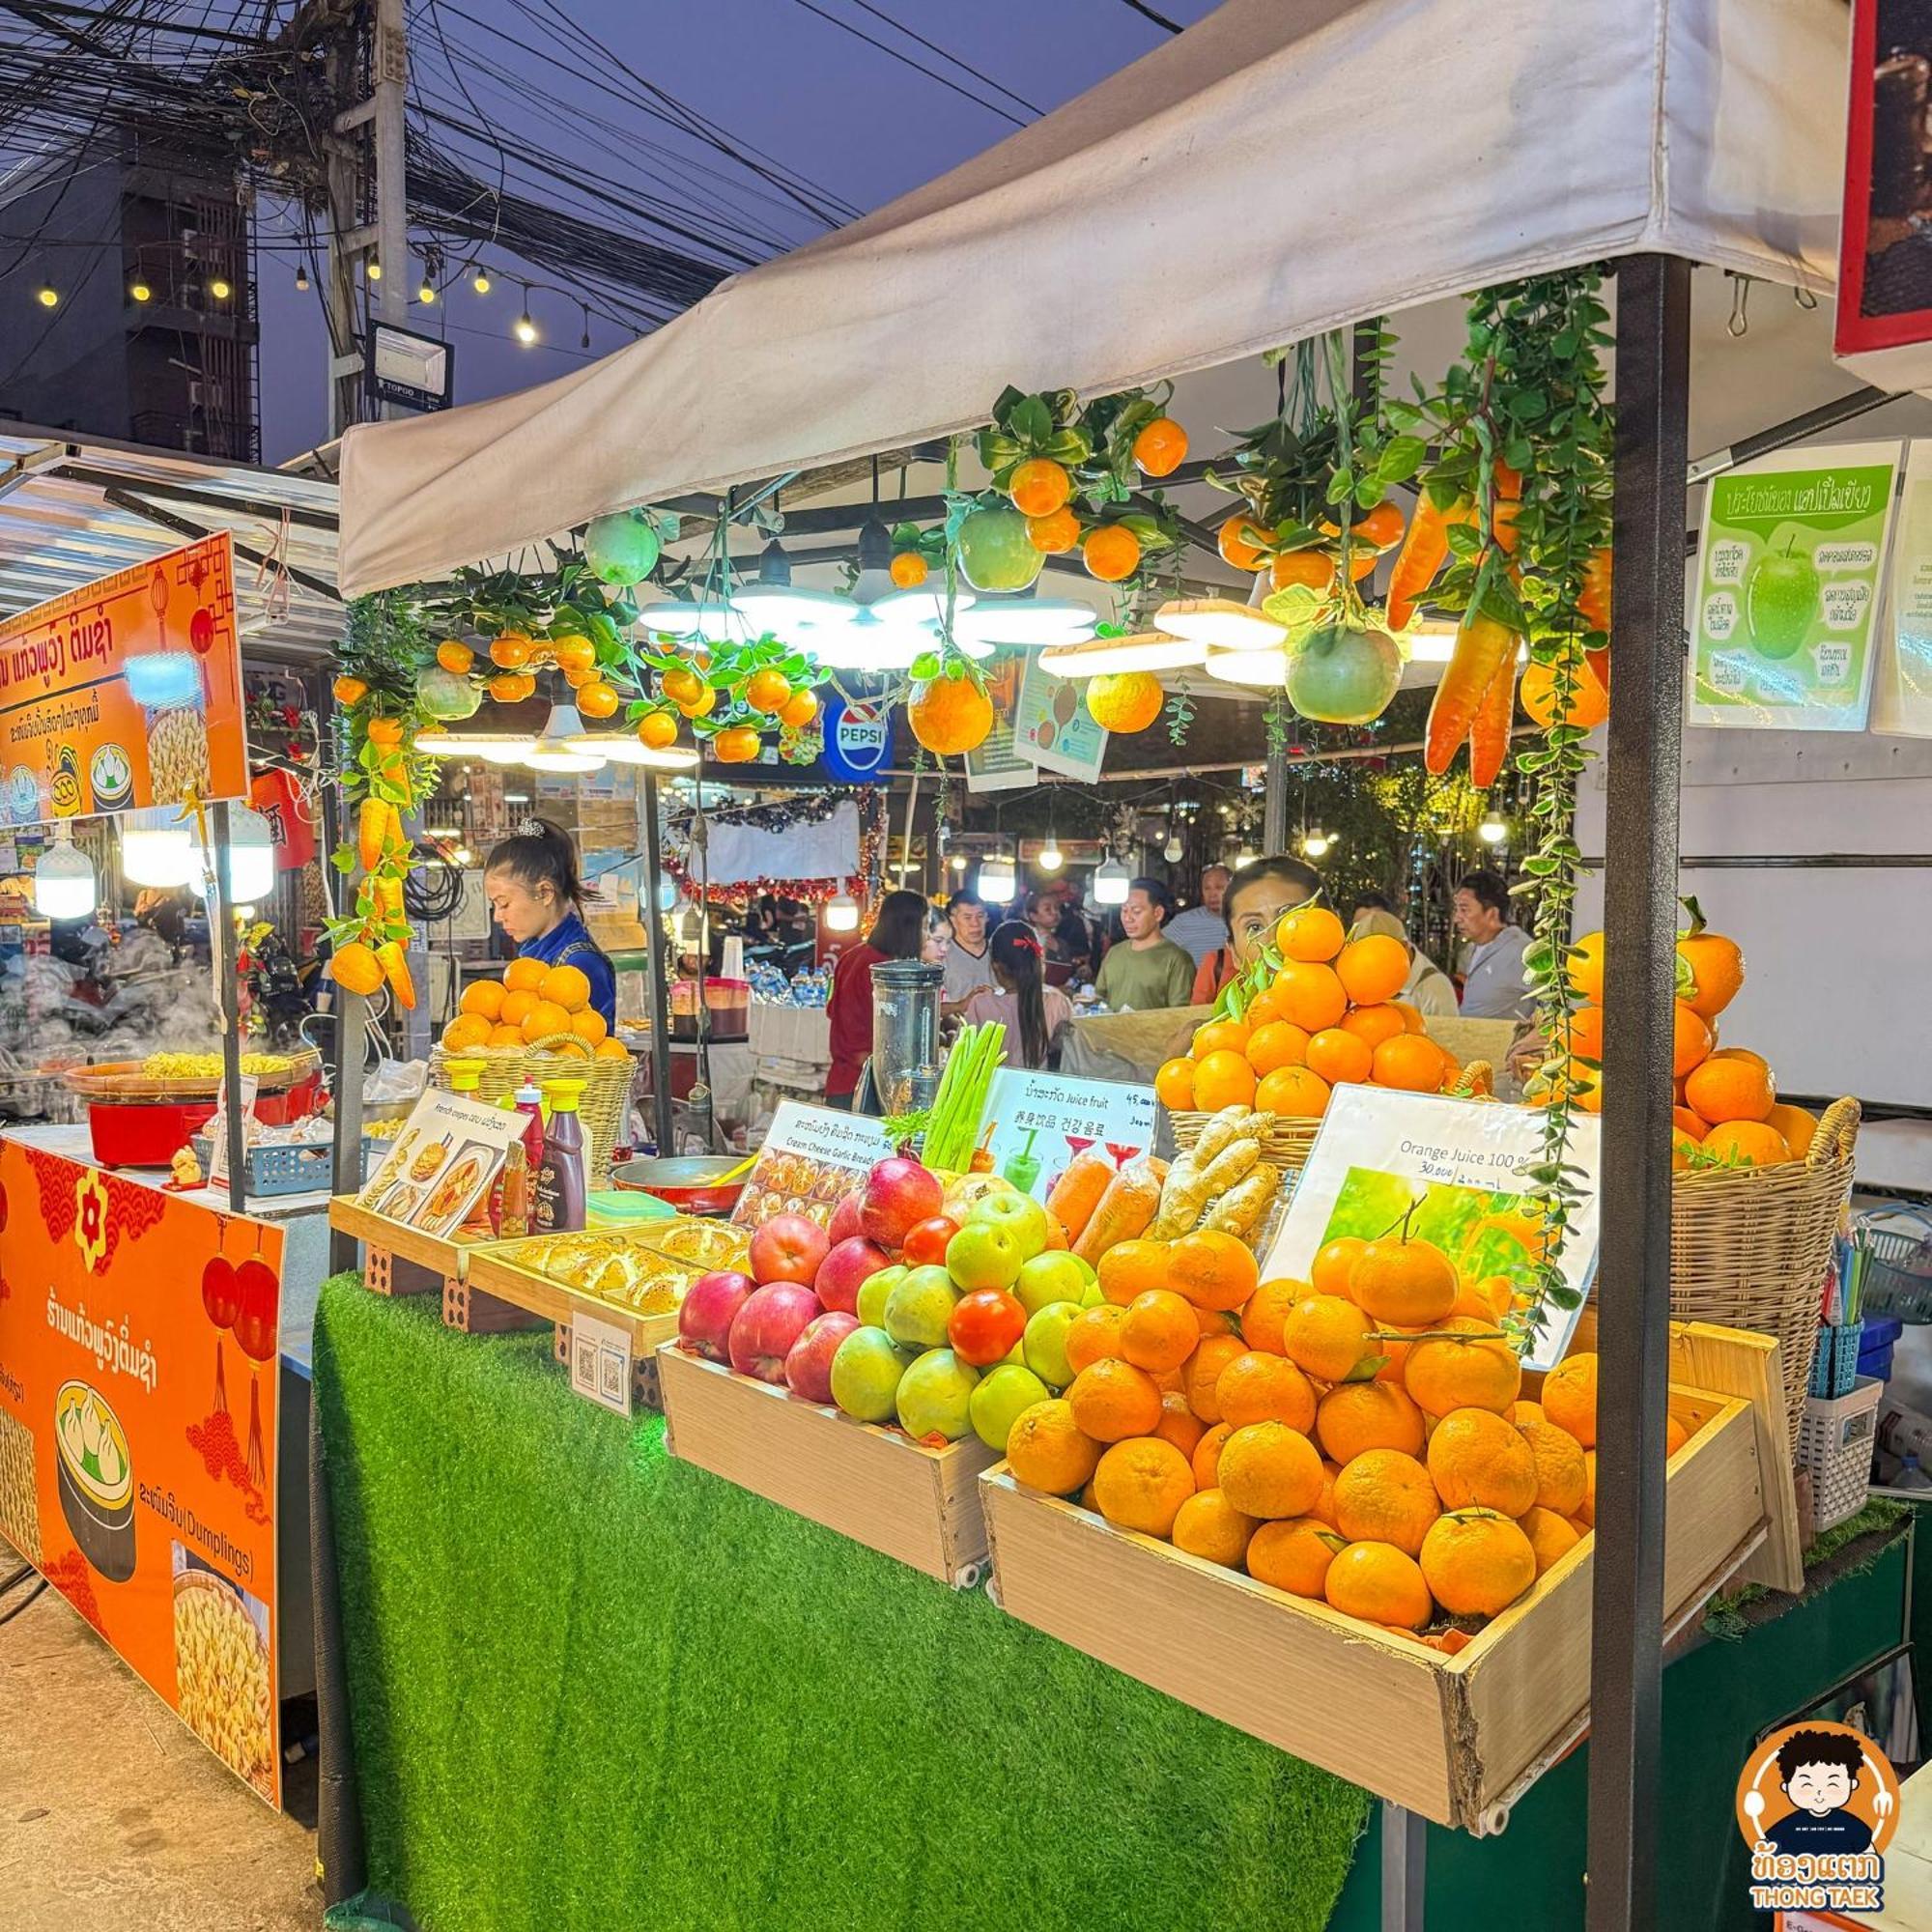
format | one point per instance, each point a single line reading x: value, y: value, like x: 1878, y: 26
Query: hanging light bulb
x: 251, y: 857
x: 875, y: 562
x: 1051, y: 857
x: 1172, y: 850
x: 427, y: 293
x: 585, y: 307
x: 1493, y: 829
x: 1314, y: 843
x: 480, y: 280
x: 558, y: 747
x: 525, y: 330
x: 690, y: 924
x: 220, y: 288
x: 374, y: 272
x: 667, y: 892
x: 139, y: 291
x: 46, y: 296
x: 998, y: 881
x: 958, y: 862
x: 841, y: 913
x: 772, y: 600
x: 64, y: 885
x: 156, y: 848
x: 1111, y: 883
x: 301, y: 279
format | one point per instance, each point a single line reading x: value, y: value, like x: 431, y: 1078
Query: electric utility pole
x: 352, y: 158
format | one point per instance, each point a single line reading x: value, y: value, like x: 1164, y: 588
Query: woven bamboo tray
x: 607, y: 1086
x: 1749, y: 1246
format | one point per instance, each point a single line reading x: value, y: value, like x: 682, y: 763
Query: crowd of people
x: 1017, y: 971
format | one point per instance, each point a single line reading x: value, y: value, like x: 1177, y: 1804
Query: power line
x: 1146, y: 13
x: 906, y: 59
x: 933, y: 46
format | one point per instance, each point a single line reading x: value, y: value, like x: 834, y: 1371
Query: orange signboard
x: 139, y: 1360
x: 126, y: 693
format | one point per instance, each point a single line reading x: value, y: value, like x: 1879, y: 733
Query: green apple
x: 984, y: 1254
x: 865, y: 1374
x: 1004, y: 1393
x: 1057, y: 1275
x: 1019, y: 1212
x: 1781, y: 601
x: 1045, y: 1342
x: 875, y: 1290
x: 918, y: 1308
x: 965, y: 1191
x: 1092, y: 1296
x: 935, y: 1396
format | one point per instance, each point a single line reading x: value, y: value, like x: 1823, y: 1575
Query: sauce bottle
x: 481, y: 1223
x: 560, y: 1190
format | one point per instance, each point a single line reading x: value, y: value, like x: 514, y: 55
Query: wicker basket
x: 1285, y: 1145
x: 1749, y: 1246
x: 607, y: 1086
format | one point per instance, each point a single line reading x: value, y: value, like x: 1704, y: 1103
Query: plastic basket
x: 1834, y: 1365
x: 287, y: 1170
x: 1898, y: 1277
x: 1835, y: 1444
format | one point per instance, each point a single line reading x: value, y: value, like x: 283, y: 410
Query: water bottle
x: 1910, y: 1476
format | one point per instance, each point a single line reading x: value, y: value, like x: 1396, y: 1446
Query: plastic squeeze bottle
x: 481, y: 1224
x: 561, y: 1187
x: 516, y: 1185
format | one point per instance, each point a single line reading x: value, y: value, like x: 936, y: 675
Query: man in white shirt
x: 1493, y: 987
x: 968, y: 969
x: 1201, y: 929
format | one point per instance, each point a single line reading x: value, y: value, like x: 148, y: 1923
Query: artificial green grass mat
x: 594, y: 1686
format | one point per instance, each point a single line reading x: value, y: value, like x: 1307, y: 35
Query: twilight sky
x: 773, y: 74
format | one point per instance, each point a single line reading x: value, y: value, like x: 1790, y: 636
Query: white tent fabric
x: 1283, y: 167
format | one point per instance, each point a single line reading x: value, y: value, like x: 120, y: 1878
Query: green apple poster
x: 1902, y: 696
x: 1789, y: 578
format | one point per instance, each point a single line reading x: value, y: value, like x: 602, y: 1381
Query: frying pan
x: 694, y: 1183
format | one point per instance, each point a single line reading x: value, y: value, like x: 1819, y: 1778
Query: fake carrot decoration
x: 1481, y: 647
x: 1489, y: 734
x: 396, y: 966
x: 1422, y: 552
x: 1593, y: 600
x: 372, y: 823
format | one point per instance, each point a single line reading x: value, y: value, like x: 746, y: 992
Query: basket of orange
x: 1758, y: 1184
x: 530, y: 1026
x: 1318, y: 1012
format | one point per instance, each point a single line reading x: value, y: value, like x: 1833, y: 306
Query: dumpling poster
x: 1452, y: 1171
x: 1789, y: 573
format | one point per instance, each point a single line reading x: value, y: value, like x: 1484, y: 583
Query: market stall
x: 1447, y: 1586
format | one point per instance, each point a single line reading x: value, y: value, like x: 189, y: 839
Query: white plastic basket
x: 1835, y: 1444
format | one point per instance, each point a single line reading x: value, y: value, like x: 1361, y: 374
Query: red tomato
x: 925, y: 1241
x: 984, y: 1325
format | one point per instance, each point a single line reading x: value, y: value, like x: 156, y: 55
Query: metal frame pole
x: 1653, y: 376
x: 228, y: 1003
x: 653, y: 925
x: 1404, y: 1868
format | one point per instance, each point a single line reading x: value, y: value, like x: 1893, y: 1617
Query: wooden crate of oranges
x: 1352, y: 1481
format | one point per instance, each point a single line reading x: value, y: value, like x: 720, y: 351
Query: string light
x: 45, y: 295
x: 480, y: 280
x: 585, y: 307
x: 374, y: 272
x: 427, y: 293
x: 138, y: 290
x: 525, y: 330
x: 301, y: 279
x: 219, y: 288
x: 1493, y: 829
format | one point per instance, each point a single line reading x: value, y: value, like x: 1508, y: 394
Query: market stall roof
x: 1283, y: 167
x: 74, y: 510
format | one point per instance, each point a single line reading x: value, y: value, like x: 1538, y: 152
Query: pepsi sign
x: 858, y: 741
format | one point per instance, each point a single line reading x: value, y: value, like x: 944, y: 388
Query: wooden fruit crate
x: 399, y: 1259
x: 1457, y: 1739
x: 491, y: 1278
x: 876, y: 1485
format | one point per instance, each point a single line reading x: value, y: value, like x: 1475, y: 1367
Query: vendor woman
x: 537, y: 897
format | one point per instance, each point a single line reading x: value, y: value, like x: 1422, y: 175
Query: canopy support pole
x: 654, y: 924
x: 1652, y: 375
x: 228, y: 1004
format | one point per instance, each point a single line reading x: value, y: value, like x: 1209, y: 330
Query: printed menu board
x: 1449, y: 1170
x: 446, y: 1154
x: 127, y: 693
x: 1902, y: 696
x: 811, y: 1157
x: 1789, y: 573
x: 139, y: 1337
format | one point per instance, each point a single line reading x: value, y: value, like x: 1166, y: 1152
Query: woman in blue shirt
x: 537, y: 897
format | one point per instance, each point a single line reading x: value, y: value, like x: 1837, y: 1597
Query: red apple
x: 846, y: 1270
x: 807, y: 1368
x: 764, y: 1329
x: 900, y: 1194
x: 709, y: 1307
x: 789, y: 1247
x: 845, y: 1218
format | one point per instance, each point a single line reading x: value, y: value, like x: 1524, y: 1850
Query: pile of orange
x: 1727, y: 1111
x: 1328, y: 1017
x: 1042, y: 490
x: 1362, y: 1438
x: 533, y: 1002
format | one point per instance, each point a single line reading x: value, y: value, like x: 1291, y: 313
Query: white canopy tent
x: 1284, y: 168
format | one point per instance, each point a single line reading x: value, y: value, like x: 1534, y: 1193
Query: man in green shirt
x: 1147, y: 969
